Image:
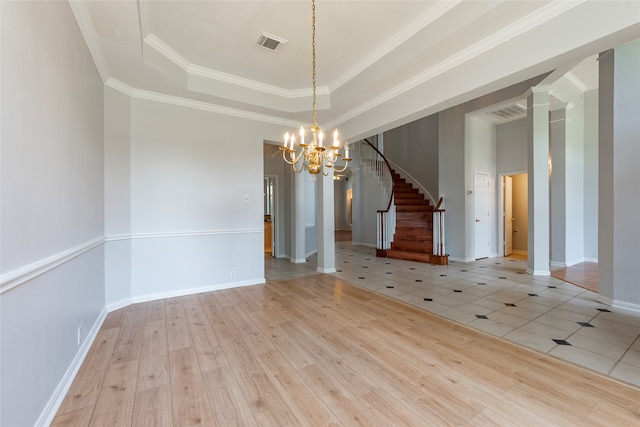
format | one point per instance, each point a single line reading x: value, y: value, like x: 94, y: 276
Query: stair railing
x: 410, y: 179
x: 372, y: 159
x: 438, y: 211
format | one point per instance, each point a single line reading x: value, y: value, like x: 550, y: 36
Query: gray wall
x: 619, y: 193
x: 454, y: 178
x: 414, y: 147
x: 51, y: 204
x: 511, y: 147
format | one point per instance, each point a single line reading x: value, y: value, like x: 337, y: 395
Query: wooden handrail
x: 390, y: 174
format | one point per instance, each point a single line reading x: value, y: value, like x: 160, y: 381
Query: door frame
x: 501, y: 206
x: 275, y: 226
x: 475, y: 196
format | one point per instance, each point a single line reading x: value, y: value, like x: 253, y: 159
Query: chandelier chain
x: 313, y: 57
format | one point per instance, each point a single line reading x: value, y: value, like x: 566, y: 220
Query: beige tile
x: 621, y: 328
x: 570, y: 315
x: 632, y: 357
x: 530, y: 340
x: 584, y: 358
x: 508, y: 319
x: 520, y: 312
x: 597, y: 346
x: 546, y: 331
x: 627, y: 373
x: 489, y: 303
x: 557, y: 322
x: 458, y: 316
x: 491, y: 327
x: 607, y: 336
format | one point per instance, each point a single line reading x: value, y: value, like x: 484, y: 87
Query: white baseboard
x: 572, y: 262
x: 46, y: 416
x: 452, y: 258
x: 298, y: 261
x: 326, y: 270
x: 202, y: 289
x: 538, y: 272
x: 627, y: 307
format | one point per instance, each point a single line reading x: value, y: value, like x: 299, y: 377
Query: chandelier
x: 314, y: 156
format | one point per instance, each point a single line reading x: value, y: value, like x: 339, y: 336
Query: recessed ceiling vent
x: 511, y: 112
x: 271, y: 42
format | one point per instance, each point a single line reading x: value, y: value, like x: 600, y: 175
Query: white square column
x: 538, y: 170
x: 325, y: 223
x: 298, y: 251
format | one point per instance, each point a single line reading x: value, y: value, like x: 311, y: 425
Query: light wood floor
x: 317, y: 351
x: 584, y: 275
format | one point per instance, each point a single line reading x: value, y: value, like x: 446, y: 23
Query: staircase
x: 405, y: 227
x: 413, y: 238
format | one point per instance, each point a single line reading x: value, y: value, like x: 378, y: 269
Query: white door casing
x: 481, y: 211
x: 508, y: 216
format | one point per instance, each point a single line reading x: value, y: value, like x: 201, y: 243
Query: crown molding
x: 198, y: 105
x: 496, y: 39
x: 422, y: 21
x: 163, y: 49
x: 579, y: 84
x: 79, y: 10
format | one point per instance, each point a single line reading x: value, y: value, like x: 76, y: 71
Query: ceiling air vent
x: 271, y: 42
x: 511, y: 112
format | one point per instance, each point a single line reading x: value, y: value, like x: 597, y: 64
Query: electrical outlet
x: 80, y: 337
x: 232, y: 274
x: 246, y: 198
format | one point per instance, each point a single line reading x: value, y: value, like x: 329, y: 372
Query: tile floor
x: 496, y: 296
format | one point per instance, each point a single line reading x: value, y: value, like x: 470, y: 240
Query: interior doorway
x: 481, y: 211
x: 270, y: 214
x: 514, y: 224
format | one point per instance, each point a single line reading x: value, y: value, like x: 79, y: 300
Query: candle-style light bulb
x: 301, y: 135
x: 286, y: 139
x: 293, y: 139
x: 320, y: 137
x: 335, y: 138
x: 346, y: 149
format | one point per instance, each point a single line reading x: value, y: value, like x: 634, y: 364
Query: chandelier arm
x: 293, y: 165
x: 343, y: 169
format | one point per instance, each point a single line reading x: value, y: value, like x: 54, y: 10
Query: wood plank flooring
x: 317, y: 351
x: 584, y: 274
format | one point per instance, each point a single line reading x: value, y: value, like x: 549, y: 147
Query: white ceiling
x: 368, y: 52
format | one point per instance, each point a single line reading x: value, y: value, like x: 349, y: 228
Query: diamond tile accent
x: 481, y: 316
x: 360, y: 277
x: 443, y: 275
x: 482, y: 284
x: 508, y: 304
x: 561, y: 342
x: 418, y: 280
x: 457, y: 290
x: 388, y: 272
x: 389, y: 287
x: 552, y: 287
x: 501, y: 277
x: 533, y: 295
x: 428, y: 299
x: 603, y: 310
x: 464, y: 271
x: 585, y: 324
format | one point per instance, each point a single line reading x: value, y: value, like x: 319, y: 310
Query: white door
x: 508, y: 215
x: 481, y: 210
